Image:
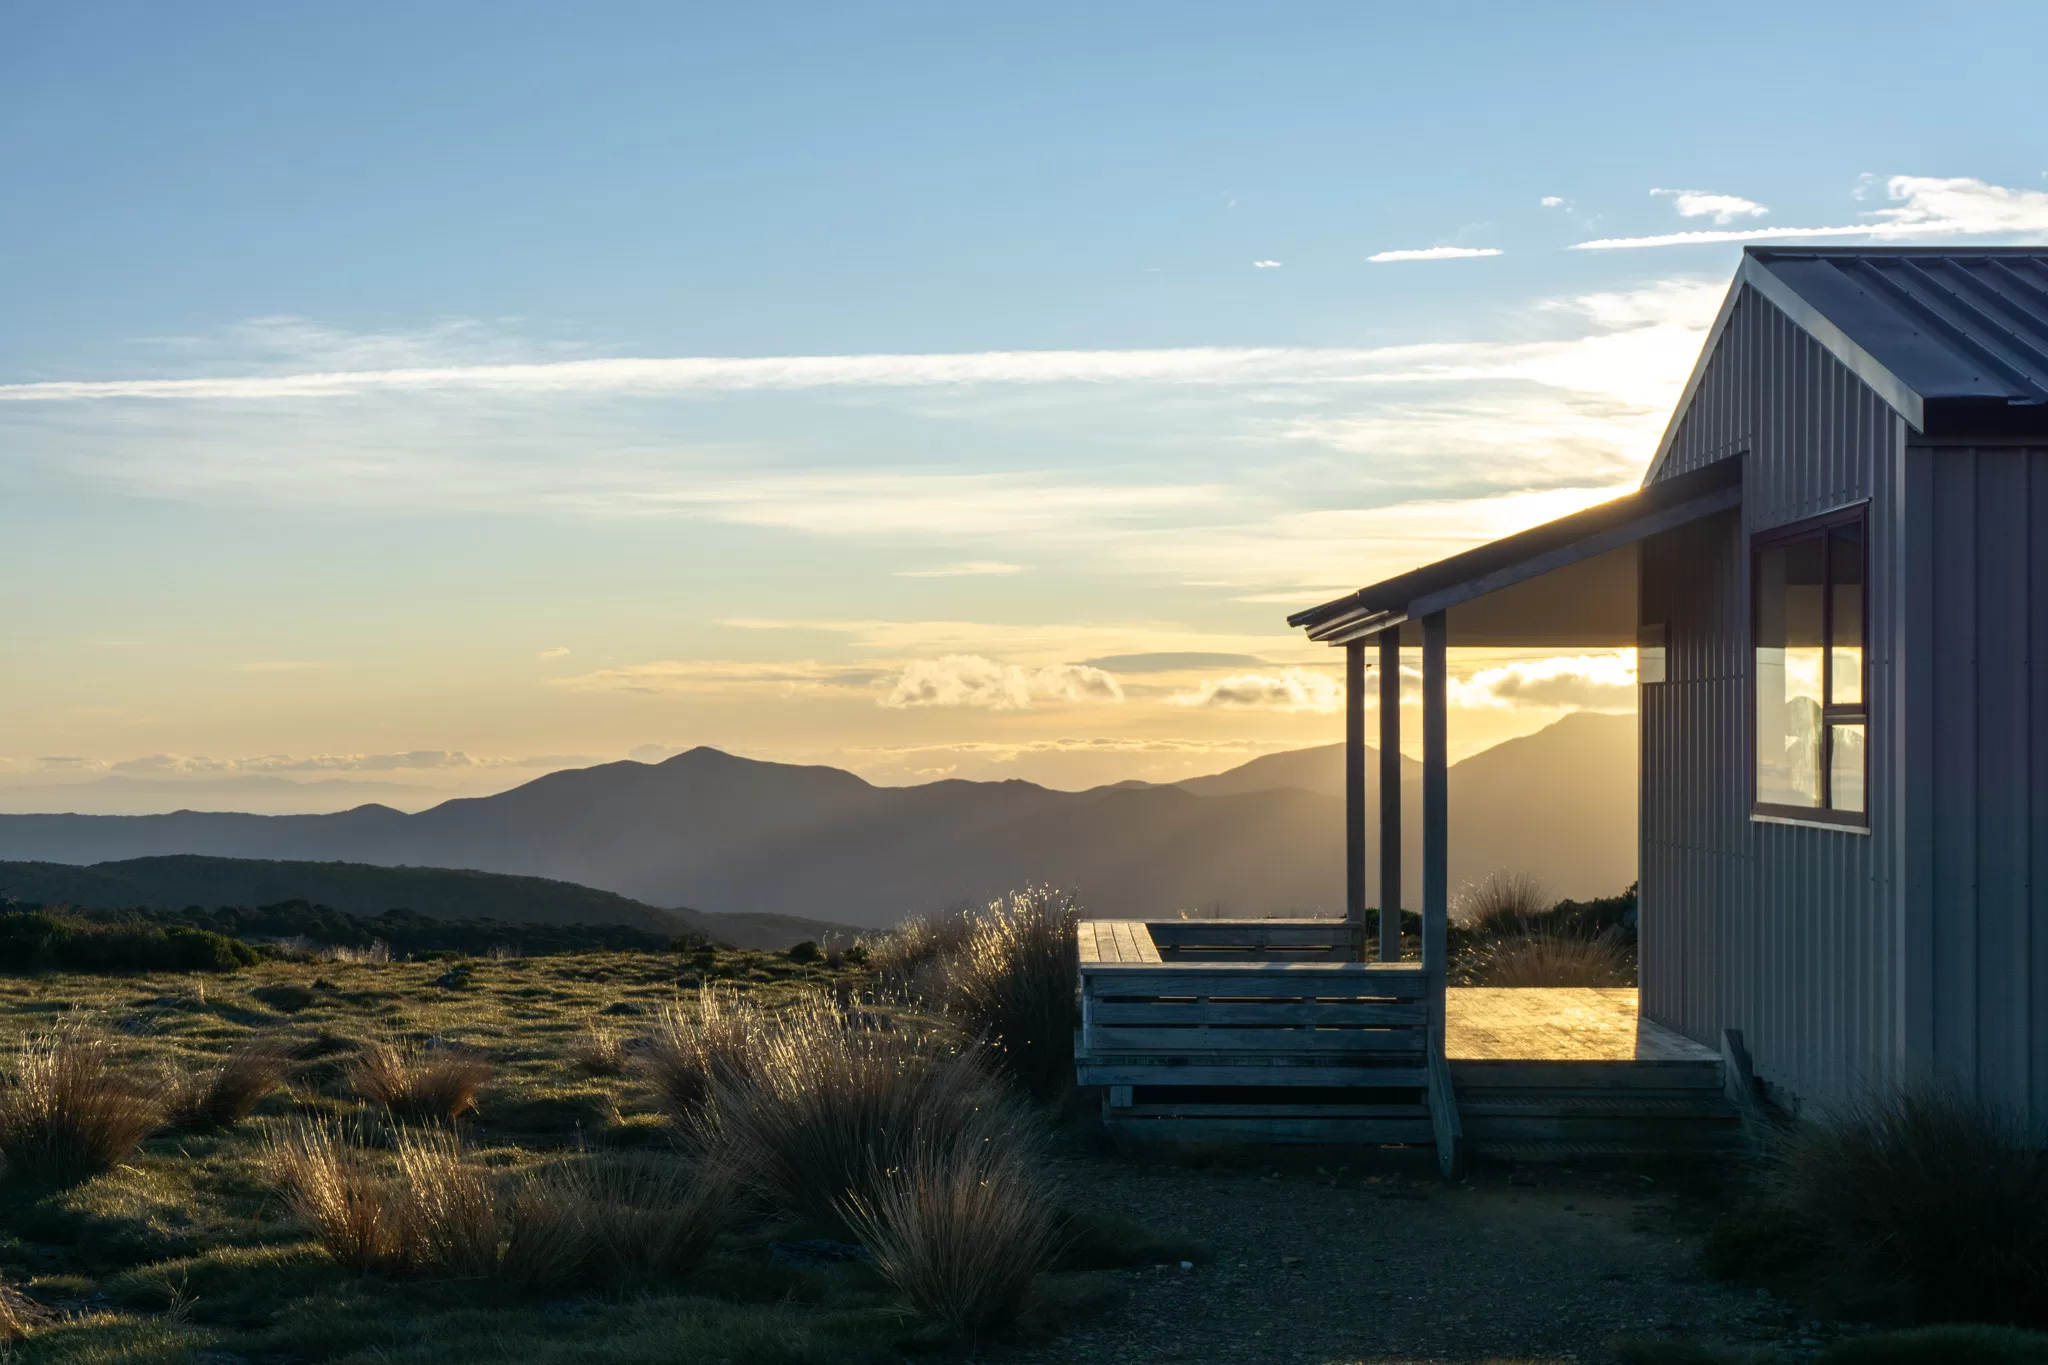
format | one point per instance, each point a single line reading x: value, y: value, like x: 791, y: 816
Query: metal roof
x: 1568, y: 554
x: 1933, y: 330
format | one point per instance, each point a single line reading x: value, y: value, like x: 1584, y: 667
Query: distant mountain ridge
x: 175, y: 881
x: 729, y: 835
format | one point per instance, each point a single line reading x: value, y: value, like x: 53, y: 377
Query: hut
x: 1835, y: 579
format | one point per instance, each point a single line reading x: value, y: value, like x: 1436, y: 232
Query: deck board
x: 1572, y: 1024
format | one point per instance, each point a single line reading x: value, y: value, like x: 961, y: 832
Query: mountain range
x: 729, y: 835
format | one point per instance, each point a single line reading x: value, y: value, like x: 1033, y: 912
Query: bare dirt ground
x: 1391, y: 1264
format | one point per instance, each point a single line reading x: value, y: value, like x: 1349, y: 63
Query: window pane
x: 1845, y: 768
x: 1845, y: 553
x: 1790, y: 580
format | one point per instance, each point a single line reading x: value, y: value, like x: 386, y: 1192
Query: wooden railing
x: 1238, y: 1003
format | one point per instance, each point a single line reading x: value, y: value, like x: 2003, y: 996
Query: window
x: 1811, y: 707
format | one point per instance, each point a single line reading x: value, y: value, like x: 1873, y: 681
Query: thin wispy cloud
x: 1265, y: 265
x: 1434, y: 253
x: 971, y: 568
x: 1722, y: 208
x: 1928, y: 208
x: 1554, y: 201
x: 558, y: 652
x: 726, y: 677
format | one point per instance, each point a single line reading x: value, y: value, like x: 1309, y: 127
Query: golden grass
x: 697, y: 1044
x: 961, y: 1230
x: 448, y: 1207
x: 1501, y: 901
x: 68, y: 1113
x: 830, y: 1099
x: 350, y: 1207
x: 598, y: 1051
x: 1541, y: 959
x: 436, y: 1086
x: 1013, y: 984
x: 224, y: 1095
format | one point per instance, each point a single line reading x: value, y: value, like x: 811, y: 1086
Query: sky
x: 401, y: 401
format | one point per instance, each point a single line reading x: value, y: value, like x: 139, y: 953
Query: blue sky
x: 411, y: 398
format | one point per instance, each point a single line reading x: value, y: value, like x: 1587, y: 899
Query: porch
x: 1264, y: 1031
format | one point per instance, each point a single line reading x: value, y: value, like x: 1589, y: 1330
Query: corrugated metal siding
x: 1786, y: 932
x: 1975, y: 632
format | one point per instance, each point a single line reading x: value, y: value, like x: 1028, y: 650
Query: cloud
x: 1201, y: 365
x: 1554, y: 201
x: 558, y: 652
x: 972, y: 680
x: 1293, y: 689
x: 725, y: 677
x: 1587, y: 682
x: 1171, y: 661
x: 1032, y: 645
x: 972, y: 568
x: 413, y: 760
x: 1927, y: 208
x: 1722, y: 208
x: 1265, y: 265
x: 1434, y: 253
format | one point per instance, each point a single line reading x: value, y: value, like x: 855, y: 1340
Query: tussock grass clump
x: 911, y: 957
x: 68, y: 1112
x: 1013, y: 982
x: 652, y: 1220
x: 437, y: 1086
x: 697, y: 1045
x: 960, y: 1230
x: 1927, y: 1200
x: 228, y: 1093
x: 1503, y: 900
x: 353, y: 1209
x: 830, y: 1101
x: 1549, y: 958
x: 449, y: 1208
x: 598, y: 1052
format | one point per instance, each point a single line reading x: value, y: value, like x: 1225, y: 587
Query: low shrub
x: 697, y: 1044
x: 1927, y: 1201
x: 805, y: 952
x: 49, y: 940
x: 228, y: 1093
x: 1014, y: 982
x: 829, y: 1101
x: 68, y: 1112
x: 961, y: 1229
x: 436, y: 1086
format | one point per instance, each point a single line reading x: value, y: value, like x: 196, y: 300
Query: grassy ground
x: 185, y: 1249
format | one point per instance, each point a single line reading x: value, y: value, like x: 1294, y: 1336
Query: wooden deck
x: 1568, y: 1024
x: 1269, y: 1031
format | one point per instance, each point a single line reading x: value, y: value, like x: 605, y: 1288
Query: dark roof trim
x: 1859, y: 362
x: 1524, y: 555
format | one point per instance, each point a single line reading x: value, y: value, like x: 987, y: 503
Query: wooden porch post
x: 1390, y: 795
x: 1435, y: 813
x: 1354, y: 797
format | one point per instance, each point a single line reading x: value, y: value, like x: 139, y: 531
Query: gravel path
x: 1337, y: 1266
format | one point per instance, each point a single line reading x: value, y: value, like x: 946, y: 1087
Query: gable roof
x: 1919, y: 325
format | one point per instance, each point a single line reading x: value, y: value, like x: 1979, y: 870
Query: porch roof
x: 1569, y: 583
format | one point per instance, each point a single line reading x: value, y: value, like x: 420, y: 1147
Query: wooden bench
x: 1258, y: 1030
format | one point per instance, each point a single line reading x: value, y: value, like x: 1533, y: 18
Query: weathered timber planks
x: 1193, y: 1041
x: 1268, y: 1013
x: 1114, y: 1070
x: 1263, y: 1130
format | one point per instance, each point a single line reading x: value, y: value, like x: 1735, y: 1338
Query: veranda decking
x: 1270, y: 1031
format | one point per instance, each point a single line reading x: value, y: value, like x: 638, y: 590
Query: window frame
x: 1832, y: 713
